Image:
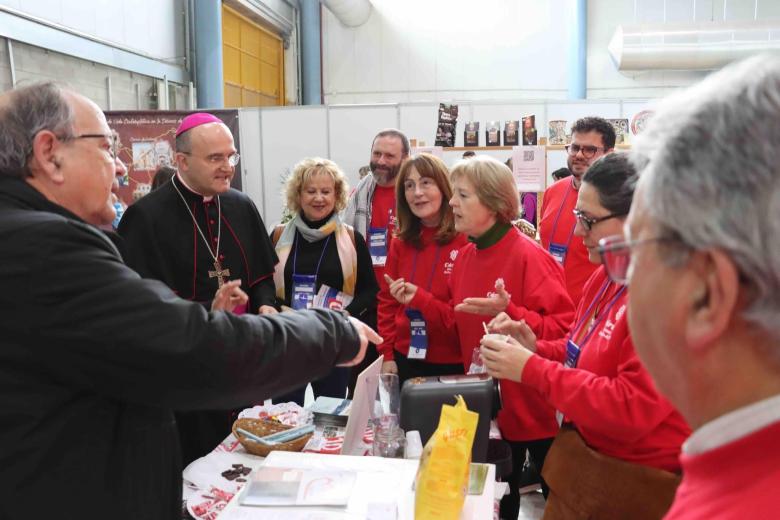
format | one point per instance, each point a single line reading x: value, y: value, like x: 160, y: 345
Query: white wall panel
x: 352, y: 130
x: 288, y: 135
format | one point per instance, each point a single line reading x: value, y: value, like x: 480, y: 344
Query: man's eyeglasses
x: 113, y: 139
x: 588, y: 151
x: 615, y: 252
x: 589, y: 222
x: 217, y: 159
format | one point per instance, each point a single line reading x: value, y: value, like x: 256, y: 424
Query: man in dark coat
x: 194, y: 233
x: 93, y: 357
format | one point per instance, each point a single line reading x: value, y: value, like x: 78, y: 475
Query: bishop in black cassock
x: 163, y: 242
x: 196, y: 234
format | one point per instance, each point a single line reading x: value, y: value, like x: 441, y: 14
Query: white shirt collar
x: 181, y: 179
x: 733, y: 425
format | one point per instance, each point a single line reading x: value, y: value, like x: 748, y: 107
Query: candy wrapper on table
x: 289, y: 414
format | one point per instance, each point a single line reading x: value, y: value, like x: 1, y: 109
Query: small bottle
x: 389, y: 442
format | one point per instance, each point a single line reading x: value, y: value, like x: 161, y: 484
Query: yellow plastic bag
x: 443, y: 477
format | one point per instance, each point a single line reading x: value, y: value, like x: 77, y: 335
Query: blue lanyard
x: 430, y: 277
x: 601, y: 316
x: 295, y: 256
x: 557, y: 216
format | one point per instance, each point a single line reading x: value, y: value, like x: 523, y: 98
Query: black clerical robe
x: 163, y: 242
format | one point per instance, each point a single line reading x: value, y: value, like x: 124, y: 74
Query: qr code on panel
x: 528, y: 155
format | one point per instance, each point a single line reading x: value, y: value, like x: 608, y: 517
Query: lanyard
x: 435, y: 263
x: 295, y: 256
x: 555, y: 223
x: 601, y: 316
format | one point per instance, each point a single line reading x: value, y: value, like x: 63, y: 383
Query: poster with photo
x: 471, y: 134
x: 511, y: 134
x: 529, y: 131
x: 493, y: 133
x: 147, y: 141
x: 448, y: 121
x: 528, y: 168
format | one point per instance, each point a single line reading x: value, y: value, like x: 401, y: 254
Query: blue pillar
x: 310, y: 52
x: 208, y: 53
x: 577, y: 50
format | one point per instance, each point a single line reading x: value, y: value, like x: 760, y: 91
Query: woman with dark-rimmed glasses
x: 616, y: 455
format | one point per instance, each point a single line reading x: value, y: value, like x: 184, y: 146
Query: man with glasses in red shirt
x: 194, y: 234
x: 591, y: 138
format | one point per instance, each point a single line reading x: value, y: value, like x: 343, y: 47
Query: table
x: 380, y: 481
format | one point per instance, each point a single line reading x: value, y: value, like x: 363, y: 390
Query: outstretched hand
x: 229, y: 296
x: 495, y: 304
x: 366, y: 335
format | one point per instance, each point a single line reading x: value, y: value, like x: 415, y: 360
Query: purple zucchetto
x: 197, y: 119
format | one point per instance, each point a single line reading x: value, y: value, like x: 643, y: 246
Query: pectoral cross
x: 219, y: 273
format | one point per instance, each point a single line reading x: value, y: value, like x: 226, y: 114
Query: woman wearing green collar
x: 502, y: 270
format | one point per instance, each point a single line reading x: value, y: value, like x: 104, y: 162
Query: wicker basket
x: 261, y: 428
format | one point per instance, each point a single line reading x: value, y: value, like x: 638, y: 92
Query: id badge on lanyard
x: 558, y: 251
x: 377, y: 246
x: 418, y: 346
x: 572, y: 354
x: 303, y: 291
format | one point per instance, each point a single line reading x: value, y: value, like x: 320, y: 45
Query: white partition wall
x: 351, y: 131
x: 288, y: 135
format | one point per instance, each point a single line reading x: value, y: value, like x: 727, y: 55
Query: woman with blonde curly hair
x: 316, y: 249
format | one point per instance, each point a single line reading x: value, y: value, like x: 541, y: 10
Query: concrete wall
x: 459, y: 50
x: 152, y: 27
x: 89, y: 78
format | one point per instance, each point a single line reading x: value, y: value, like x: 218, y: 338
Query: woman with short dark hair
x: 616, y: 455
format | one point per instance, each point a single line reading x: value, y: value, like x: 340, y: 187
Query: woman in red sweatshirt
x: 616, y: 455
x: 422, y: 254
x: 503, y: 270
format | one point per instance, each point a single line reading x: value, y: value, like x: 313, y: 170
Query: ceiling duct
x: 691, y: 46
x: 352, y: 13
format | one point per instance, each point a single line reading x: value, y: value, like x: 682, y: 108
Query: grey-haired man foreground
x: 704, y: 274
x: 93, y: 357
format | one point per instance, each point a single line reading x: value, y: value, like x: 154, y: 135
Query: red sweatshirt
x: 609, y: 396
x: 391, y: 316
x: 562, y: 197
x: 535, y: 282
x: 739, y: 480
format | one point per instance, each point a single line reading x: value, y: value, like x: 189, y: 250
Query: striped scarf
x: 344, y: 246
